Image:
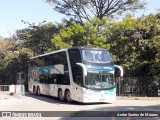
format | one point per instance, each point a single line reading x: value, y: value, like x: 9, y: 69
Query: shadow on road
x: 55, y: 100
x: 45, y: 98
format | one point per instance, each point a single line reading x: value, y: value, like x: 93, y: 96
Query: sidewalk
x: 4, y: 96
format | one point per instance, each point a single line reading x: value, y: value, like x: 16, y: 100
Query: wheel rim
x: 38, y: 91
x: 68, y: 96
x: 61, y: 97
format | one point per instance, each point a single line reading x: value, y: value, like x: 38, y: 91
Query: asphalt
x: 8, y: 96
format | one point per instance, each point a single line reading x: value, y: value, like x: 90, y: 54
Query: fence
x: 137, y: 87
x: 4, y: 88
x: 12, y: 89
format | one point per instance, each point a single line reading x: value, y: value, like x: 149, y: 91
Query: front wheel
x: 61, y: 96
x: 68, y: 96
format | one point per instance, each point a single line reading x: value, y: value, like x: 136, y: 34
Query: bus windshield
x: 99, y: 80
x: 96, y: 56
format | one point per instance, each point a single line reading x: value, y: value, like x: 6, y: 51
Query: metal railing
x: 4, y: 88
x: 12, y: 89
x: 137, y: 87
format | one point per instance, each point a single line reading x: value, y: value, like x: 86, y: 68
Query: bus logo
x: 35, y: 73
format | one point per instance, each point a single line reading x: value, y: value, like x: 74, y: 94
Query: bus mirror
x: 121, y: 70
x: 84, y: 68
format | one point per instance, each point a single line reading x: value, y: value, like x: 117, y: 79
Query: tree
x: 15, y: 61
x: 86, y: 9
x: 5, y: 46
x: 135, y: 45
x: 155, y: 63
x: 36, y: 37
x: 123, y: 40
x: 76, y: 34
x: 12, y: 60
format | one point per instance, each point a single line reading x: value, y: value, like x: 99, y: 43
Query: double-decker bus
x: 74, y: 74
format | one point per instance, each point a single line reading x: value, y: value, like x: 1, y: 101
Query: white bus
x: 74, y: 74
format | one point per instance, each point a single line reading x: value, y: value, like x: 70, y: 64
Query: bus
x: 80, y: 74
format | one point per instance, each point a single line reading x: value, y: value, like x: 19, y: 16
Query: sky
x: 12, y: 12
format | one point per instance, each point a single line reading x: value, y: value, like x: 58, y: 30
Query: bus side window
x: 62, y: 77
x: 77, y: 72
x: 42, y: 78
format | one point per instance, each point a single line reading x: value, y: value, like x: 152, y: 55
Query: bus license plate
x: 101, y: 100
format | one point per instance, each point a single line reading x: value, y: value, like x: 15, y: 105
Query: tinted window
x: 97, y: 57
x: 37, y: 62
x: 57, y: 59
x: 77, y: 72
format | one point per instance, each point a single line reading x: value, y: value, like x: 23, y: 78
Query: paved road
x: 31, y: 102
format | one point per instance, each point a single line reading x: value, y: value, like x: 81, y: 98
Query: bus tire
x: 38, y: 92
x: 68, y: 96
x: 61, y: 96
x: 34, y: 89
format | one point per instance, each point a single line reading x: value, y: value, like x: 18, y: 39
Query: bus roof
x: 48, y: 53
x: 76, y: 47
x: 86, y: 47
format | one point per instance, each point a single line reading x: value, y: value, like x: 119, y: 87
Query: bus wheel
x: 61, y: 95
x: 34, y: 90
x: 38, y: 92
x: 68, y: 96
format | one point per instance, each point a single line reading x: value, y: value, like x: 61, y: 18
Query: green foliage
x: 37, y: 38
x: 135, y: 45
x: 69, y: 36
x: 155, y: 63
x: 89, y: 34
x: 12, y: 60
